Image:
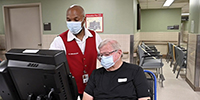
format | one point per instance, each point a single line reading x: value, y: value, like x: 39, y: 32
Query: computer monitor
x: 37, y: 75
x: 7, y: 88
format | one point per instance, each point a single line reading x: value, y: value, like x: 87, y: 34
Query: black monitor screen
x: 40, y: 75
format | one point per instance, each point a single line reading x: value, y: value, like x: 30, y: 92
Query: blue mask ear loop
x: 117, y: 59
x: 81, y: 24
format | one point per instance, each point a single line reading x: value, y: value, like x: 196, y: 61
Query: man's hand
x: 145, y: 98
x: 89, y: 97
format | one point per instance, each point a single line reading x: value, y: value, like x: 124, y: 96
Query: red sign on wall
x: 94, y: 22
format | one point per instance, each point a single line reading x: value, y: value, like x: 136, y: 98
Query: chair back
x: 143, y: 45
x: 168, y: 48
x: 181, y: 56
x: 141, y: 54
x: 173, y: 52
x: 177, y: 54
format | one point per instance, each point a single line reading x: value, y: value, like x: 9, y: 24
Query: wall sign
x: 174, y: 27
x: 94, y: 22
x: 47, y: 26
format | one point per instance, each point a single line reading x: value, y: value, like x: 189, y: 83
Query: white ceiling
x: 158, y: 4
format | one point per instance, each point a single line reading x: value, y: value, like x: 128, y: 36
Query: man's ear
x: 84, y: 19
x: 120, y: 51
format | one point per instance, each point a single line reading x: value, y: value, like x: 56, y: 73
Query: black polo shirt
x: 126, y: 83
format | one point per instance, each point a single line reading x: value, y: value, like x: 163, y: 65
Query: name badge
x: 75, y: 53
x: 122, y: 80
x: 85, y: 78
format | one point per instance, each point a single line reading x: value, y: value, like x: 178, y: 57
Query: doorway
x: 23, y: 26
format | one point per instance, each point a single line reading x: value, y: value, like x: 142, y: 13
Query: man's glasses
x: 106, y: 54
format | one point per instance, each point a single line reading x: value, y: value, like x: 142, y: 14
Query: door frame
x: 7, y: 22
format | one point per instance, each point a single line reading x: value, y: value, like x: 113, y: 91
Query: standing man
x: 116, y: 80
x: 80, y: 45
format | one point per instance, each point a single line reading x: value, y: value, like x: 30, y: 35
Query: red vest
x: 77, y: 61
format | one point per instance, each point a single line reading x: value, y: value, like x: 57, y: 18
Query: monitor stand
x: 41, y: 96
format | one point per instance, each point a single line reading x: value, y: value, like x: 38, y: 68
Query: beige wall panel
x: 2, y: 42
x: 191, y: 57
x: 47, y: 39
x: 136, y: 41
x: 159, y: 39
x: 162, y: 49
x: 124, y: 41
x: 185, y: 35
x: 159, y: 36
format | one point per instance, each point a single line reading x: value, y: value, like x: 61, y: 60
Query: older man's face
x: 107, y: 50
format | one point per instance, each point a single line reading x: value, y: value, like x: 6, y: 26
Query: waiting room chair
x: 181, y: 60
x: 149, y: 48
x: 172, y: 54
x: 169, y: 52
x: 148, y: 61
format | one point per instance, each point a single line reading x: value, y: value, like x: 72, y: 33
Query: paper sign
x: 30, y: 51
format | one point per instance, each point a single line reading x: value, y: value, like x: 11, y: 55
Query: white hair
x: 115, y: 45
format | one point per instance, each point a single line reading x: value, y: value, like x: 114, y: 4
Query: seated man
x: 116, y: 80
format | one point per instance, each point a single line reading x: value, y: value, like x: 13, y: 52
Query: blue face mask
x: 107, y: 61
x: 74, y: 27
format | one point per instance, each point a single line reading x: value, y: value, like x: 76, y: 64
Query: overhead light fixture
x: 185, y: 14
x: 168, y: 2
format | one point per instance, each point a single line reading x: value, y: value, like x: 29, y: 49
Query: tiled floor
x: 175, y: 89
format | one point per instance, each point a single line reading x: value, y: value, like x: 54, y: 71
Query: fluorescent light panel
x: 185, y: 14
x: 168, y: 2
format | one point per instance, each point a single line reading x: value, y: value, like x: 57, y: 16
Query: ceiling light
x: 185, y: 14
x: 168, y: 2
